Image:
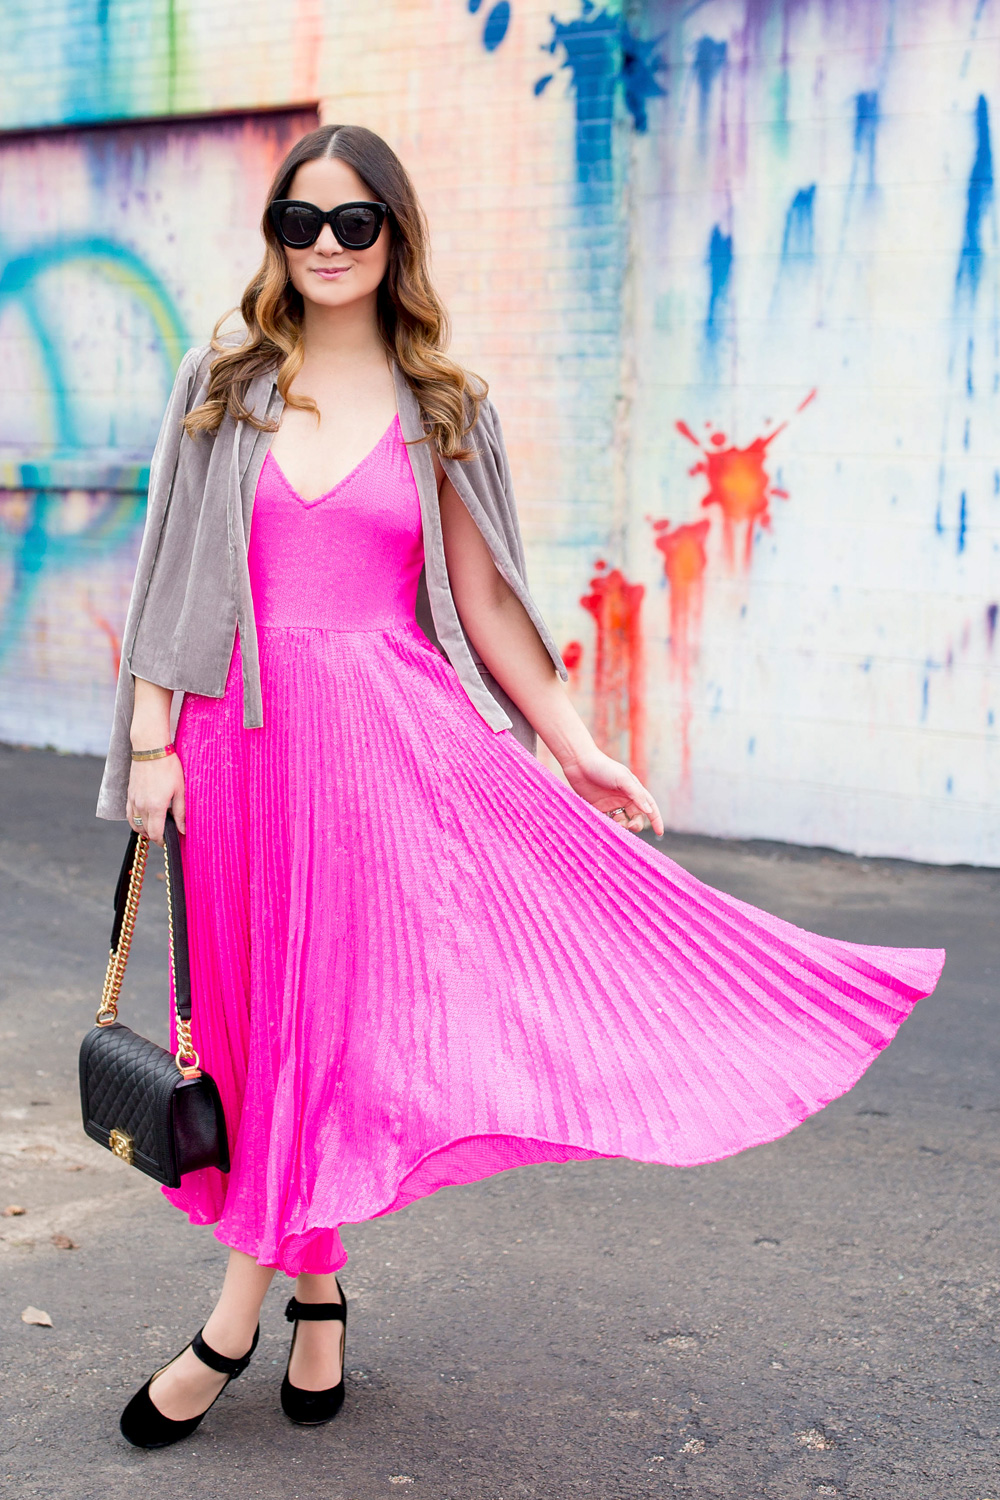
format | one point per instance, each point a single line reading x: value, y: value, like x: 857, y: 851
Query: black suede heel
x: 145, y: 1425
x: 311, y: 1408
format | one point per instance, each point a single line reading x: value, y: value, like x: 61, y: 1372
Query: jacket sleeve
x: 511, y: 525
x: 163, y: 465
x: 501, y: 463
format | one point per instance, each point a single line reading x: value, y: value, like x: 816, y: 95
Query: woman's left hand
x: 612, y: 788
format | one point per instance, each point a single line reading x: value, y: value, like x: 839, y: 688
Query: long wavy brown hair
x: 412, y: 320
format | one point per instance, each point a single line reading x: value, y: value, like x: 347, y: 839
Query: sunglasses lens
x: 298, y: 225
x: 357, y: 226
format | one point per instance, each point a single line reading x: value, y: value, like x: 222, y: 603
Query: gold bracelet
x: 153, y: 754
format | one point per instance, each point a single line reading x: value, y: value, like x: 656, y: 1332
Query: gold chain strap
x: 185, y: 1046
x: 108, y: 1009
x: 187, y: 1059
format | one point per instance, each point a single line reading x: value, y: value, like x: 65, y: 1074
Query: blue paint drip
x: 640, y: 65
x: 603, y: 56
x: 963, y: 522
x: 593, y: 57
x: 104, y: 42
x: 980, y: 193
x: 991, y: 624
x: 709, y: 60
x: 797, y: 241
x: 496, y: 26
x: 925, y: 699
x: 751, y: 746
x: 865, y: 131
x: 938, y: 522
x: 474, y: 6
x: 720, y: 263
x: 949, y: 784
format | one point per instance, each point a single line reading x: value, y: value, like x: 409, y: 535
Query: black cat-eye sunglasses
x: 356, y: 225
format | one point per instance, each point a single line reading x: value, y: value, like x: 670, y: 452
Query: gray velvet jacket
x: 192, y: 582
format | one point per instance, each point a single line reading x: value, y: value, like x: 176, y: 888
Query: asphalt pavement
x: 814, y: 1317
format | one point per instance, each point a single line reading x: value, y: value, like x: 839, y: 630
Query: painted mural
x: 121, y: 226
x: 731, y: 268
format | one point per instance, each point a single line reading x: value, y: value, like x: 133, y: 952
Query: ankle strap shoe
x: 145, y: 1426
x: 312, y: 1408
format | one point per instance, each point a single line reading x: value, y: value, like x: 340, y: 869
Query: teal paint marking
x: 37, y: 548
x: 64, y: 423
x: 122, y: 267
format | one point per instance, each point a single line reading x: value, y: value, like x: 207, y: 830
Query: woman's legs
x: 318, y: 1359
x: 187, y: 1386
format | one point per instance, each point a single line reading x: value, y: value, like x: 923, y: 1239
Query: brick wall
x: 643, y: 218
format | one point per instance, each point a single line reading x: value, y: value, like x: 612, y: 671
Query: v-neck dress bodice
x: 348, y: 560
x: 419, y: 958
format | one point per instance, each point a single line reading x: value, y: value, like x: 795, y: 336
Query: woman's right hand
x: 153, y: 786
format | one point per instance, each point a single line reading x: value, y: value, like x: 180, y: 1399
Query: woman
x: 418, y: 957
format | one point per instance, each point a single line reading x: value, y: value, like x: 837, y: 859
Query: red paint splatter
x: 684, y: 562
x: 112, y: 635
x: 572, y: 656
x: 619, y: 687
x: 738, y: 483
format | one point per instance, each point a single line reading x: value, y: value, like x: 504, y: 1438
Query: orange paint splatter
x: 738, y: 483
x: 619, y: 686
x: 684, y: 562
x: 112, y: 635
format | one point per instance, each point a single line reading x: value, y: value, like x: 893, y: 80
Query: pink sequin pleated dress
x: 419, y: 958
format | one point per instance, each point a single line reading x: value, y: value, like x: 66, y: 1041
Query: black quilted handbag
x: 156, y: 1111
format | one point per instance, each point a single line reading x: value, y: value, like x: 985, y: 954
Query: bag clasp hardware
x: 121, y: 1146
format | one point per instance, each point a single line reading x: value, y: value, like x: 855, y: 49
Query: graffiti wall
x: 731, y: 270
x: 120, y: 247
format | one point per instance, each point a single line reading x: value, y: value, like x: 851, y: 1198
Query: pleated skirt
x: 419, y: 958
